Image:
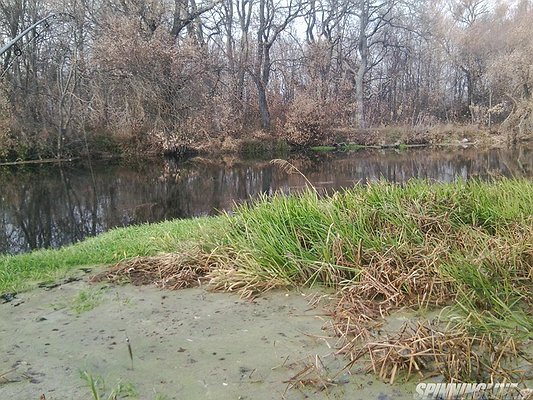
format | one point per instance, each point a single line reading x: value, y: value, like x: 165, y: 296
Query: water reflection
x: 50, y: 206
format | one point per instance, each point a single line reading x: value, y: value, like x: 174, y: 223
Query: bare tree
x: 273, y: 20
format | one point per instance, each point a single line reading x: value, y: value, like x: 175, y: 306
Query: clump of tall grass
x: 414, y: 244
x: 466, y: 246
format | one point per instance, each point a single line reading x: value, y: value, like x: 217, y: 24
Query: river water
x: 55, y: 205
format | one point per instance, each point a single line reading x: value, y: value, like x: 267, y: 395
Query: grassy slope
x: 23, y: 271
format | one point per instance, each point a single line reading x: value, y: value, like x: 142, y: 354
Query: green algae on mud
x: 187, y: 344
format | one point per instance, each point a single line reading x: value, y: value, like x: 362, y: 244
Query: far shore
x: 276, y: 143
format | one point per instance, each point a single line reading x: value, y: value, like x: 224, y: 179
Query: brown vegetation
x: 170, y: 271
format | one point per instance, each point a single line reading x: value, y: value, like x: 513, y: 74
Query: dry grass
x: 426, y: 350
x: 244, y: 283
x: 312, y: 373
x: 167, y: 271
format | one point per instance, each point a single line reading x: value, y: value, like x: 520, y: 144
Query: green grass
x: 99, y: 390
x: 351, y: 147
x: 23, y: 271
x: 87, y: 300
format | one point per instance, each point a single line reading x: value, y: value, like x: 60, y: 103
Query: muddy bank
x: 187, y: 344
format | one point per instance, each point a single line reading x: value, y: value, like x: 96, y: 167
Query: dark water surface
x: 51, y: 206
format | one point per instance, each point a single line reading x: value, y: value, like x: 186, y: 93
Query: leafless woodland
x: 161, y: 75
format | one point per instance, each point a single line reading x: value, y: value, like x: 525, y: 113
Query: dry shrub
x: 230, y: 145
x: 152, y: 92
x: 308, y: 121
x: 519, y: 123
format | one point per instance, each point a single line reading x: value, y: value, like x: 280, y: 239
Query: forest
x: 168, y: 76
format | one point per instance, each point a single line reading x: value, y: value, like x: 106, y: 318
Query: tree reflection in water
x: 51, y: 206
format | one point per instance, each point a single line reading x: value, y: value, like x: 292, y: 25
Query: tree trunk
x: 263, y: 106
x: 363, y: 67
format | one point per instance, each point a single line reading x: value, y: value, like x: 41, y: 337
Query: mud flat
x: 186, y: 344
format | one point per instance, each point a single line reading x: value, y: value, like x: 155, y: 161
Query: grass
x: 469, y: 241
x: 466, y: 247
x: 86, y: 300
x: 351, y: 147
x: 99, y: 390
x: 23, y: 271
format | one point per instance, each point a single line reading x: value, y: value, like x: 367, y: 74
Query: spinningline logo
x: 471, y: 391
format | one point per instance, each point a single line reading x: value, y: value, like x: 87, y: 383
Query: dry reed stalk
x: 312, y: 373
x: 355, y: 318
x: 3, y: 376
x: 291, y: 169
x: 424, y: 349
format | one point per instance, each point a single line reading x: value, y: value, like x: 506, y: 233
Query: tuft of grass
x: 99, y: 390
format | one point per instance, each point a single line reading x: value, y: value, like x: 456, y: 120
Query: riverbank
x: 464, y: 248
x: 351, y: 139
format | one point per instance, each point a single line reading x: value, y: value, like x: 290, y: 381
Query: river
x: 49, y: 206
